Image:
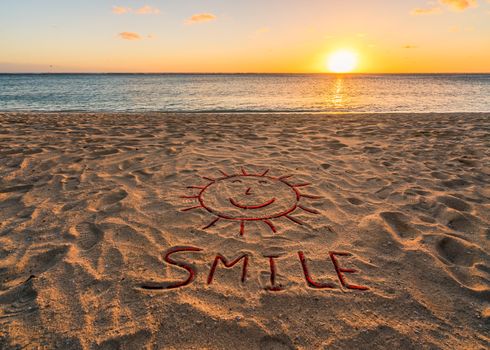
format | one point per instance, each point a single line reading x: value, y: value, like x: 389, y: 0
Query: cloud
x: 410, y: 47
x: 455, y: 5
x: 425, y: 11
x: 147, y: 10
x: 201, y: 17
x: 459, y: 5
x: 120, y: 10
x: 130, y: 36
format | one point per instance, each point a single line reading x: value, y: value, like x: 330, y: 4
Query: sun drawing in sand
x: 247, y: 197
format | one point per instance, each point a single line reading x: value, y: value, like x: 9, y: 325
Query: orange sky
x: 253, y: 36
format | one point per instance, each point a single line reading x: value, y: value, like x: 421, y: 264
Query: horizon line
x: 245, y: 73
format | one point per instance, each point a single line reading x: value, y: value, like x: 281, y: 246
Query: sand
x: 96, y: 212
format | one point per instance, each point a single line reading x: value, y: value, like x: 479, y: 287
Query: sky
x: 276, y: 36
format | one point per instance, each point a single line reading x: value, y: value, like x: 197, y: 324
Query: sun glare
x: 342, y: 61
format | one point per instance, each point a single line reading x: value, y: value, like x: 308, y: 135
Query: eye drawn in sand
x: 246, y: 197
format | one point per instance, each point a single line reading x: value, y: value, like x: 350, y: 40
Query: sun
x: 247, y: 197
x: 343, y: 61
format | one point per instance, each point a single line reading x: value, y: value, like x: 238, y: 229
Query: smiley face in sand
x: 248, y: 197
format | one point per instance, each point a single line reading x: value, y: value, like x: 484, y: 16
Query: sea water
x: 245, y: 92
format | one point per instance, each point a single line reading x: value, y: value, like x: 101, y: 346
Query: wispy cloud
x: 145, y: 10
x: 454, y: 5
x: 120, y: 10
x: 425, y: 11
x: 410, y: 47
x: 459, y: 5
x: 201, y: 17
x: 129, y: 36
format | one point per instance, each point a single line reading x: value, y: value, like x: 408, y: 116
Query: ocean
x: 245, y: 92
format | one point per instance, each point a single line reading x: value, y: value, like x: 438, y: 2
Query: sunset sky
x: 243, y: 36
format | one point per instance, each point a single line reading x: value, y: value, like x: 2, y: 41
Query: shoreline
x: 224, y: 112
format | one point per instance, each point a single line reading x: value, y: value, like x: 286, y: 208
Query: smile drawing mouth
x: 263, y: 205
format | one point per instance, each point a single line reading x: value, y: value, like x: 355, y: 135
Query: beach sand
x: 96, y: 212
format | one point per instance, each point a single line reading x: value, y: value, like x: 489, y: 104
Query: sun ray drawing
x: 245, y: 197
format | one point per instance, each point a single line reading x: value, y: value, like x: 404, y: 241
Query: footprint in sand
x: 456, y: 251
x: 275, y: 343
x: 454, y: 203
x: 89, y: 234
x: 355, y: 201
x: 455, y: 183
x: 19, y: 188
x: 460, y: 222
x: 113, y: 198
x: 142, y: 175
x: 18, y: 301
x: 45, y: 260
x: 400, y: 224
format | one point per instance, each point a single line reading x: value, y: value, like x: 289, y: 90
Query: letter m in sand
x: 227, y: 264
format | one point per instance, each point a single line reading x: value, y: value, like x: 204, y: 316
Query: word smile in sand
x: 244, y: 259
x: 243, y: 198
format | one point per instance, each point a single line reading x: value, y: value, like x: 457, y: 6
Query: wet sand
x: 339, y: 231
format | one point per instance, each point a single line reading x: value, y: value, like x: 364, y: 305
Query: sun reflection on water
x: 337, y: 98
